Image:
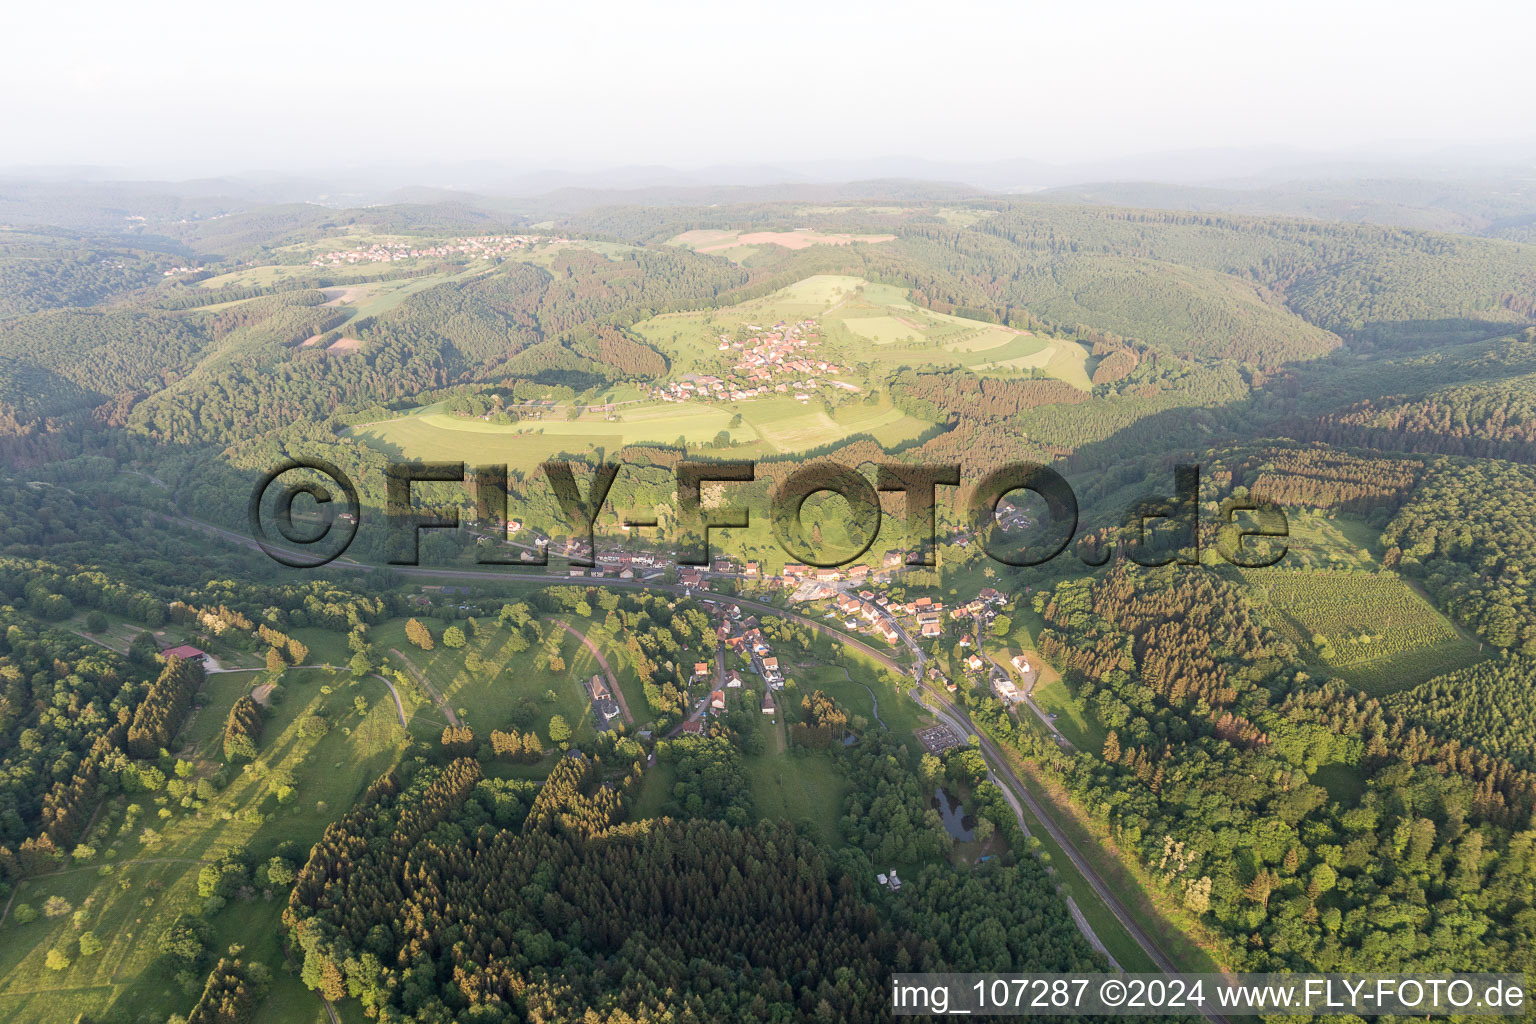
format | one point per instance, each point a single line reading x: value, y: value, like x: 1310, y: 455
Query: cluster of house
x: 809, y: 583
x: 868, y: 609
x: 697, y: 577
x: 629, y: 565
x: 602, y: 700
x: 890, y: 881
x: 742, y: 634
x: 487, y: 247
x: 875, y: 611
x: 1001, y: 682
x: 983, y: 607
x: 1009, y: 516
x: 783, y: 351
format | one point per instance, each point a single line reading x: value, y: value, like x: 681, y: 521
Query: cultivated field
x: 1370, y: 629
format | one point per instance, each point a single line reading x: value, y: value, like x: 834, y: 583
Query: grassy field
x: 1100, y: 918
x: 508, y: 688
x: 655, y: 791
x: 863, y: 688
x: 149, y: 851
x: 120, y: 633
x: 871, y: 329
x: 769, y: 426
x: 372, y: 298
x: 1344, y: 783
x: 1054, y: 698
x: 1371, y: 629
x: 1329, y: 542
x: 806, y: 789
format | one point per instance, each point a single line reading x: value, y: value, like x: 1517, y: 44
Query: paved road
x: 613, y: 680
x: 1029, y: 688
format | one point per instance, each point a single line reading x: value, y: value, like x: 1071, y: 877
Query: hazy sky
x: 203, y: 87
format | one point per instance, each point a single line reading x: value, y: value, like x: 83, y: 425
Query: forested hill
x: 228, y: 354
x: 1493, y: 205
x: 541, y: 901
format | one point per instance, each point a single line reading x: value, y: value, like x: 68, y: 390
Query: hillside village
x: 490, y: 247
x: 771, y: 360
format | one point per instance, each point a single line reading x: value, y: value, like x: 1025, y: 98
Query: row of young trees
x: 242, y: 731
x: 164, y: 707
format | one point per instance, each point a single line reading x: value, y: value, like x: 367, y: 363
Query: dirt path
x: 93, y: 638
x: 613, y: 680
x: 399, y: 708
x: 1089, y: 934
x: 1029, y: 687
x: 780, y: 743
x: 421, y: 680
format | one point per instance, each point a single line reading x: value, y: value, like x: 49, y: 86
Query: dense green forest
x: 1490, y: 705
x: 1311, y: 826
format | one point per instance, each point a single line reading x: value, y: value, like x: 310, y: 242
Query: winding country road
x: 1028, y: 691
x: 1001, y: 774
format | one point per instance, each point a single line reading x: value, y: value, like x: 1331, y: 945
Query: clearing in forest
x: 1371, y: 629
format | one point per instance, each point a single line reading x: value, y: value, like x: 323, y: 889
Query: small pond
x: 957, y: 823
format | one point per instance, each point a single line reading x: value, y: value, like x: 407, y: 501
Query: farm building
x: 186, y: 652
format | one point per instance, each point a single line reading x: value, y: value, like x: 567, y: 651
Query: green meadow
x: 869, y: 330
x: 769, y: 426
x: 147, y: 851
x: 507, y: 690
